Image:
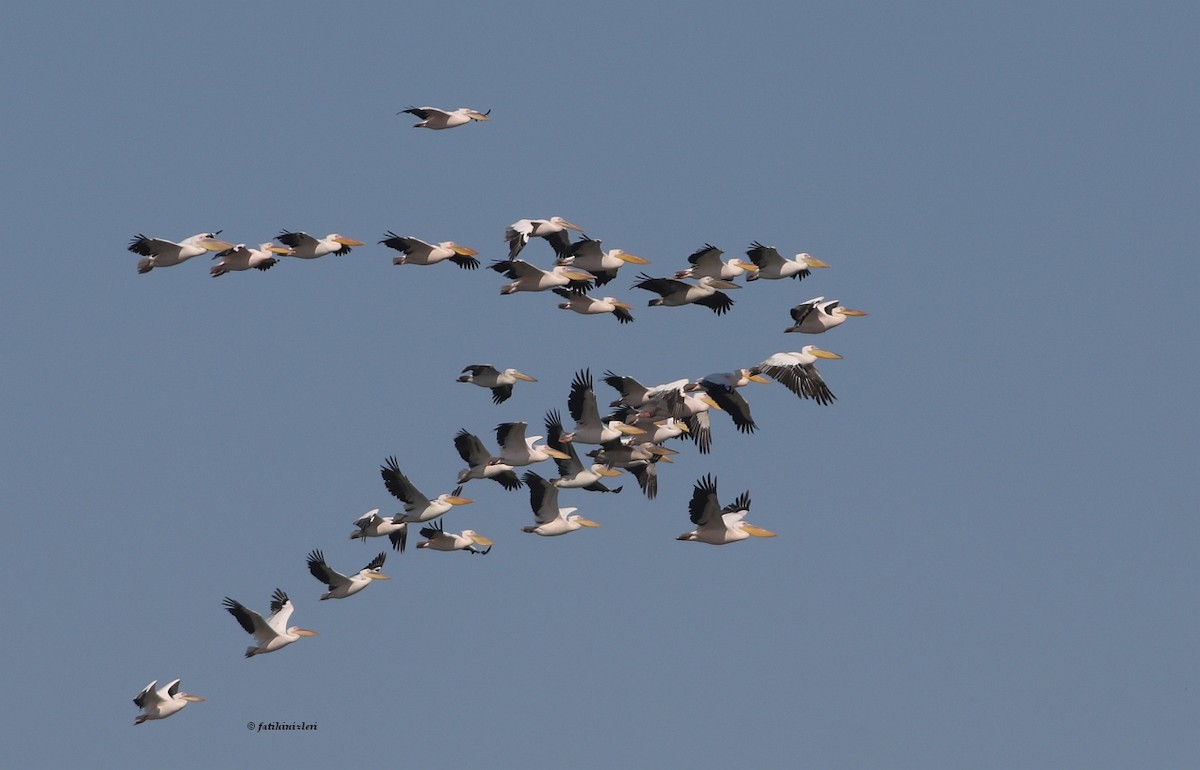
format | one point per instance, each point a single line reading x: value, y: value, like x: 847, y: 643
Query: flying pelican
x: 341, y: 586
x: 581, y: 403
x: 526, y: 277
x: 553, y: 230
x: 437, y: 119
x: 656, y: 431
x: 371, y: 524
x: 241, y: 257
x: 517, y: 450
x: 722, y: 387
x: 305, y: 246
x: 474, y: 453
x: 819, y: 315
x: 706, y: 262
x: 440, y: 540
x: 586, y: 254
x: 675, y: 400
x: 797, y: 372
x: 499, y: 382
x: 585, y: 305
x: 675, y: 293
x: 163, y: 702
x: 772, y: 265
x: 639, y: 459
x: 162, y: 253
x: 716, y: 525
x: 571, y: 473
x: 551, y: 520
x: 273, y: 633
x: 414, y: 251
x: 417, y: 507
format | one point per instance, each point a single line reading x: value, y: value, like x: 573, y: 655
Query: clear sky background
x: 987, y: 546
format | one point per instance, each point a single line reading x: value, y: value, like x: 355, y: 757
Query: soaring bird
x: 585, y: 305
x: 414, y: 251
x: 242, y: 257
x: 819, y: 315
x: 706, y: 263
x: 554, y: 230
x: 417, y: 507
x: 797, y: 371
x: 551, y: 520
x: 722, y: 387
x: 674, y: 399
x: 639, y: 459
x: 438, y: 539
x: 163, y: 702
x: 305, y: 246
x: 162, y: 253
x: 273, y: 633
x: 341, y: 586
x: 371, y: 524
x: 478, y: 459
x: 517, y: 450
x: 571, y: 473
x: 674, y: 293
x: 581, y: 402
x: 772, y: 265
x: 499, y: 382
x: 716, y: 525
x: 527, y: 277
x: 586, y: 254
x: 437, y: 118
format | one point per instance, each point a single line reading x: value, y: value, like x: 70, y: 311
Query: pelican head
x: 519, y: 375
x: 719, y: 283
x: 813, y: 350
x: 754, y: 531
x: 301, y: 631
x: 477, y: 538
x: 811, y: 261
x: 632, y: 259
x: 461, y: 251
x: 582, y: 521
x: 565, y: 224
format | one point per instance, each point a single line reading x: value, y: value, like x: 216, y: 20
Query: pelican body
x: 773, y: 266
x: 819, y: 315
x: 414, y: 251
x: 273, y: 633
x: 163, y: 702
x: 438, y: 119
x: 305, y: 246
x: 706, y: 263
x: 571, y: 472
x: 674, y: 293
x: 551, y: 520
x: 340, y: 586
x: 479, y: 466
x: 716, y: 525
x: 437, y: 539
x: 417, y: 507
x: 797, y: 371
x: 371, y: 524
x: 242, y: 257
x: 554, y: 230
x: 163, y: 253
x: 517, y: 450
x: 589, y: 429
x: 499, y: 382
x: 585, y: 305
x: 527, y: 277
x: 586, y: 254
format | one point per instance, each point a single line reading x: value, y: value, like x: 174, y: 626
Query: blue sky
x: 986, y: 551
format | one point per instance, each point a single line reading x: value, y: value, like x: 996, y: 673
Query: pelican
x: 437, y: 118
x: 581, y: 402
x: 499, y: 382
x: 241, y: 257
x: 722, y: 387
x: 341, y: 586
x: 472, y: 451
x: 417, y: 507
x: 586, y: 254
x: 819, y: 315
x: 305, y: 246
x: 656, y: 431
x: 371, y: 524
x: 716, y: 525
x: 706, y: 262
x: 675, y: 400
x: 162, y: 253
x: 639, y: 459
x: 772, y: 265
x: 571, y: 473
x: 675, y: 293
x: 585, y: 305
x: 551, y: 520
x: 633, y: 393
x: 440, y: 540
x: 526, y: 277
x: 797, y: 372
x: 273, y: 633
x: 517, y: 450
x: 163, y: 702
x: 553, y: 230
x: 414, y: 251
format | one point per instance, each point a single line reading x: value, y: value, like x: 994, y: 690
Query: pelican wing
x: 322, y: 571
x: 719, y: 302
x: 543, y: 498
x: 706, y: 261
x: 704, y: 510
x: 295, y: 240
x: 511, y: 435
x: 152, y: 247
x: 633, y: 393
x: 405, y: 244
x: 148, y: 695
x: 554, y: 431
x: 399, y: 538
x: 740, y: 505
x: 482, y: 371
x: 425, y: 113
x: 661, y: 286
x: 647, y: 477
x: 764, y: 256
x: 804, y: 310
x: 581, y: 402
x: 730, y: 400
x: 470, y: 448
x: 400, y: 487
x: 281, y: 612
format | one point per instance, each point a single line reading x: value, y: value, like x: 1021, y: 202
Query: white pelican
x: 586, y: 254
x: 585, y: 305
x: 499, y: 382
x: 527, y: 277
x: 305, y: 246
x: 414, y: 251
x: 163, y: 702
x: 571, y: 473
x: 706, y: 262
x: 437, y: 119
x: 551, y: 520
x: 722, y: 387
x: 162, y: 253
x: 797, y: 372
x: 241, y: 257
x: 417, y: 507
x: 674, y: 293
x: 517, y: 450
x: 639, y: 459
x: 273, y: 633
x: 716, y: 525
x: 772, y: 265
x: 341, y: 586
x: 371, y: 524
x: 554, y: 230
x: 819, y: 315
x: 674, y: 400
x: 657, y: 431
x: 581, y: 402
x: 474, y: 453
x: 440, y: 540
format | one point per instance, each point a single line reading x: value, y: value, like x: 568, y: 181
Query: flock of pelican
x: 633, y: 437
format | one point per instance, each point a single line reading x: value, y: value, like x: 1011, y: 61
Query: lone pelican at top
x: 437, y: 118
x: 499, y: 382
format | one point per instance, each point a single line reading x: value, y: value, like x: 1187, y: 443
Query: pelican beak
x: 630, y: 430
x: 524, y: 377
x: 622, y: 305
x: 665, y: 459
x: 557, y: 455
x: 748, y: 267
x: 829, y: 354
x: 192, y: 698
x: 306, y: 632
x: 212, y: 244
x: 723, y: 284
x: 711, y: 404
x: 481, y: 540
x: 661, y: 451
x: 759, y: 379
x: 813, y: 261
x: 463, y: 251
x: 587, y: 523
x: 848, y: 311
x: 579, y: 275
x: 608, y: 472
x: 754, y: 531
x: 348, y: 241
x: 571, y: 226
x: 455, y: 500
x: 681, y: 425
x: 378, y: 576
x: 632, y: 259
x: 281, y: 250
